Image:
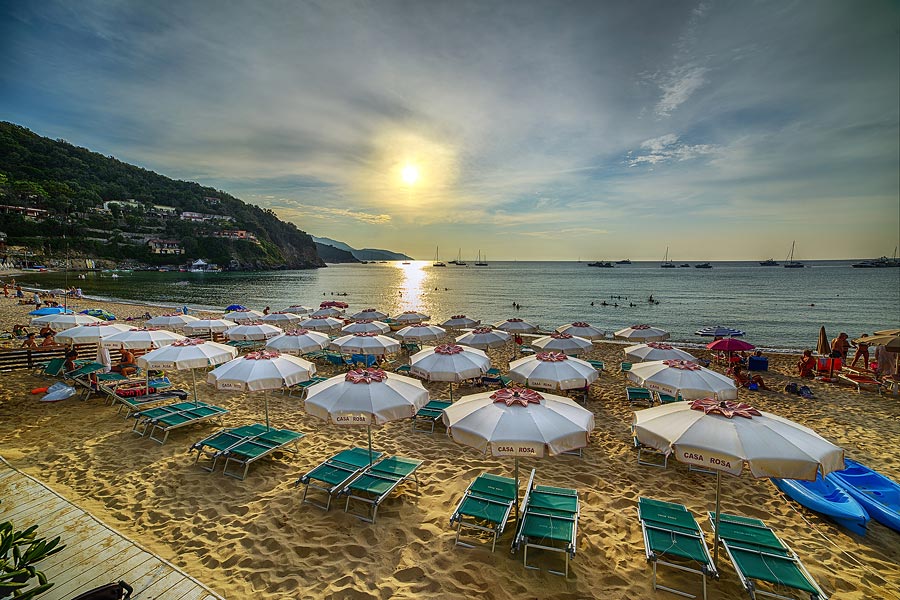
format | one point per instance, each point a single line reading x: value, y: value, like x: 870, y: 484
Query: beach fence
x: 19, y: 359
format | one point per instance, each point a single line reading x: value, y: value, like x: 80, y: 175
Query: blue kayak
x: 828, y: 499
x: 878, y: 494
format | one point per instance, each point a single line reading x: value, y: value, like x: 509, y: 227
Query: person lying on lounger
x: 743, y: 380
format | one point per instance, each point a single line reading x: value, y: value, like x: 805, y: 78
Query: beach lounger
x: 402, y: 369
x: 485, y: 507
x: 144, y: 418
x: 252, y: 449
x: 378, y: 481
x: 624, y: 367
x: 759, y: 555
x: 549, y: 522
x: 214, y: 446
x: 362, y: 360
x: 135, y: 403
x: 636, y: 394
x: 859, y: 381
x: 429, y: 414
x: 672, y: 534
x: 667, y: 399
x: 597, y: 364
x: 332, y: 475
x: 410, y: 347
x: 52, y: 368
x: 300, y: 389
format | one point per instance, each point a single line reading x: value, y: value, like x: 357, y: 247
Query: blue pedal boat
x: 878, y: 494
x: 826, y: 498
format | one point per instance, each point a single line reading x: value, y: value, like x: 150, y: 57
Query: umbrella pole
x: 451, y: 391
x: 517, y: 492
x: 194, y: 381
x: 266, y: 400
x: 716, y: 536
x: 369, y: 428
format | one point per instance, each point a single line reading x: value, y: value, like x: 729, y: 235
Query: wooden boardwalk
x: 95, y: 554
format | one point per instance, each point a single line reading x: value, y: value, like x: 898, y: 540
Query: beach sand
x: 254, y: 538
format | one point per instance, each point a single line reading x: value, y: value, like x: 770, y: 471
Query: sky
x: 532, y: 130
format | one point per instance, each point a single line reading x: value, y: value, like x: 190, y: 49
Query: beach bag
x: 753, y: 386
x: 792, y: 388
x: 110, y: 591
x: 805, y: 392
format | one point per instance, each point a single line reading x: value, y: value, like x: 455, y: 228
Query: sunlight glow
x: 410, y: 297
x: 410, y: 174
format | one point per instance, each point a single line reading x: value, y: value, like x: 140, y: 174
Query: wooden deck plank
x: 117, y: 551
x: 159, y: 588
x: 72, y: 550
x: 89, y: 574
x: 181, y: 591
x: 77, y: 585
x: 44, y: 519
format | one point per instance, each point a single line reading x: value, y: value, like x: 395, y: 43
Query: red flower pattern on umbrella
x: 458, y: 317
x: 320, y: 317
x: 366, y: 321
x: 420, y: 325
x: 175, y: 314
x: 581, y: 324
x: 365, y: 376
x: 297, y: 332
x: 481, y: 330
x: 551, y: 356
x: 262, y: 355
x: 685, y: 365
x: 514, y: 320
x: 448, y: 349
x: 188, y: 342
x: 522, y: 396
x: 726, y: 408
x: 561, y: 336
x: 660, y: 346
x: 365, y: 334
x: 640, y: 327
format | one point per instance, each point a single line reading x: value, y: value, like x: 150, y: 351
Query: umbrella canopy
x: 61, y: 321
x: 730, y: 345
x: 142, y: 338
x: 409, y: 317
x: 267, y: 370
x: 516, y: 326
x: 187, y: 354
x: 297, y: 309
x: 822, y: 345
x: 90, y: 333
x: 368, y: 344
x: 366, y: 397
x: 719, y: 331
x: 656, y: 351
x: 369, y: 314
x: 890, y: 342
x: 235, y: 307
x: 252, y: 331
x: 582, y: 330
x: 175, y: 321
x: 686, y: 378
x: 460, y: 322
x: 727, y: 436
x: 449, y: 362
x: 207, y: 326
x: 299, y: 341
x: 321, y: 324
x: 50, y: 310
x: 281, y: 318
x: 888, y: 332
x: 366, y: 326
x: 327, y: 311
x: 421, y: 332
x: 642, y: 333
x: 483, y: 338
x: 562, y: 342
x: 243, y: 316
x: 552, y: 371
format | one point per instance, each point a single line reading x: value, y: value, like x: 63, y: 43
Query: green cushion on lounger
x: 748, y: 535
x: 332, y: 473
x: 160, y: 411
x: 357, y: 457
x: 553, y: 500
x: 395, y: 466
x: 672, y: 530
x: 186, y: 416
x: 280, y: 436
x: 496, y: 486
x: 373, y: 483
x: 224, y: 440
x: 541, y: 526
x: 493, y: 510
x: 489, y: 498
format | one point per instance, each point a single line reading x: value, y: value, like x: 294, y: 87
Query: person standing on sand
x: 862, y: 351
x: 840, y: 346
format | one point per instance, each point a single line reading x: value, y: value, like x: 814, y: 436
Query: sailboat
x: 666, y: 263
x: 791, y: 263
x: 479, y: 262
x: 459, y: 261
x: 437, y: 258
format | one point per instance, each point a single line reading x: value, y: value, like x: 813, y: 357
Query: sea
x: 778, y: 308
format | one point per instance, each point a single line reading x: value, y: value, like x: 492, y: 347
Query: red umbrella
x: 730, y: 345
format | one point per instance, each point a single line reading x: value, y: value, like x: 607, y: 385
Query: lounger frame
x: 234, y: 455
x: 375, y: 501
x: 469, y: 522
x: 521, y: 539
x: 350, y: 472
x: 430, y: 414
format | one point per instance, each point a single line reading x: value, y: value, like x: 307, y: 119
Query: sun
x: 410, y: 174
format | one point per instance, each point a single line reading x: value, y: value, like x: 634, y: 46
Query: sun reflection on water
x: 412, y: 285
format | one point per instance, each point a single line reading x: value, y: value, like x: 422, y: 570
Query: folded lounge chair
x: 378, y: 481
x: 667, y: 399
x: 252, y: 449
x: 637, y: 394
x: 332, y: 475
x: 549, y: 522
x: 429, y: 414
x: 624, y: 367
x: 214, y: 446
x: 759, y: 555
x: 859, y: 381
x: 485, y: 507
x: 597, y: 364
x: 671, y: 533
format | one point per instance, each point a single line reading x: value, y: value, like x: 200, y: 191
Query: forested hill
x: 113, y: 210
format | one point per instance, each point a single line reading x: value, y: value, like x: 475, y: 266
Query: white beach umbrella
x: 90, y: 333
x: 421, y: 332
x: 207, y: 326
x: 327, y: 311
x: 369, y: 314
x: 252, y: 331
x: 173, y: 321
x: 142, y: 338
x: 243, y: 316
x: 483, y: 338
x: 460, y: 322
x: 366, y: 326
x: 516, y: 325
x: 266, y: 370
x: 62, y: 321
x: 686, y: 378
x: 642, y: 333
x: 562, y: 342
x: 553, y: 371
x: 727, y: 436
x: 366, y: 397
x: 449, y: 362
x: 187, y: 354
x: 582, y: 330
x: 321, y: 324
x: 519, y: 422
x: 299, y: 341
x: 410, y: 316
x: 367, y: 344
x: 298, y: 309
x: 656, y: 351
x: 281, y: 319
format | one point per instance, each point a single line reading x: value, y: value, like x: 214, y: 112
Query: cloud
x: 668, y: 148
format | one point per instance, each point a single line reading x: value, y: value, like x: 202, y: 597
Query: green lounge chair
x: 196, y: 414
x: 143, y: 419
x: 671, y: 533
x: 410, y: 347
x: 402, y: 369
x: 378, y: 481
x: 667, y: 399
x: 636, y: 394
x: 214, y: 446
x: 624, y: 367
x: 429, y: 414
x: 549, y: 522
x: 332, y: 475
x: 759, y: 555
x: 252, y: 449
x: 485, y: 507
x: 52, y: 368
x: 136, y: 403
x: 300, y: 389
x: 597, y: 364
x: 662, y: 461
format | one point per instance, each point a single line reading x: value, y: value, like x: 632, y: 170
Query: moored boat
x: 826, y: 498
x: 623, y: 262
x: 879, y: 495
x: 769, y: 262
x: 703, y: 266
x: 602, y: 264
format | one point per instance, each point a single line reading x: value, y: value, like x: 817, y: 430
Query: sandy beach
x: 254, y: 538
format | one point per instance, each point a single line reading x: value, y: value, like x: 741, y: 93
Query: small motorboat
x: 878, y: 494
x: 824, y: 497
x: 705, y: 265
